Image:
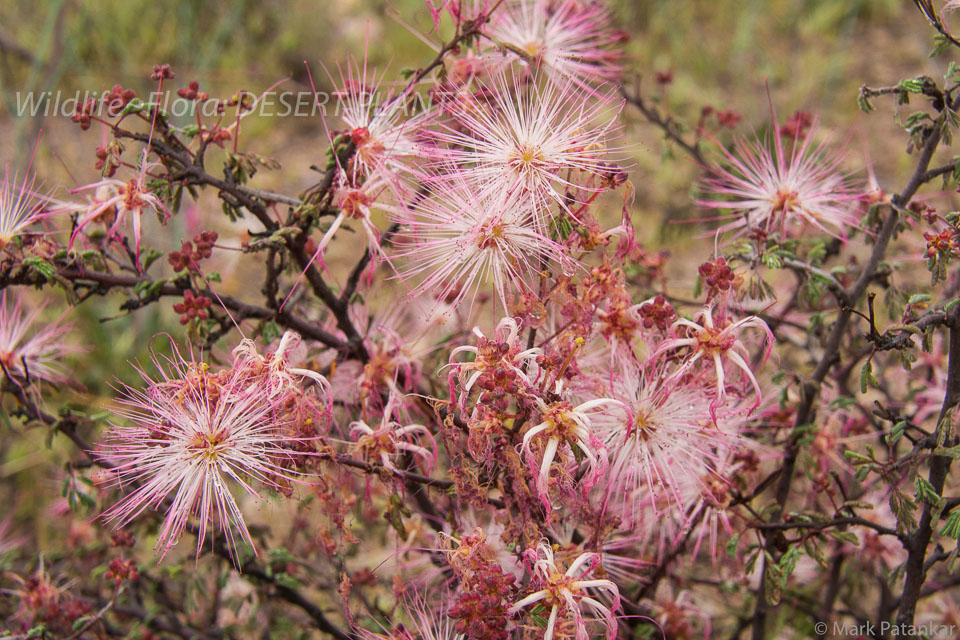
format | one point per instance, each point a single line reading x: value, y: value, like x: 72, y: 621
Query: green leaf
x: 896, y: 433
x: 151, y: 257
x: 773, y: 584
x: 948, y: 452
x: 844, y: 536
x: 134, y: 106
x: 941, y: 43
x: 281, y: 555
x: 270, y: 332
x: 911, y: 85
x: 732, y: 545
x: 817, y: 253
x: 866, y: 377
x: 288, y: 581
x: 856, y: 456
x: 45, y: 269
x: 788, y: 562
x: 952, y: 526
x: 903, y: 507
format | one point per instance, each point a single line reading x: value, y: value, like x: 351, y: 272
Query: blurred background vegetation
x: 813, y: 55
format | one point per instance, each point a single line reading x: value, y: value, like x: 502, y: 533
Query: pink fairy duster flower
x: 355, y: 199
x: 483, y: 525
x: 112, y: 201
x: 570, y: 40
x: 397, y: 341
x: 568, y: 593
x: 390, y: 438
x: 620, y: 554
x: 461, y: 238
x: 776, y: 190
x: 425, y: 624
x: 717, y: 341
x: 562, y: 423
x: 708, y: 499
x: 29, y: 352
x: 499, y: 361
x: 677, y: 616
x: 384, y: 137
x: 668, y: 438
x: 20, y: 206
x: 193, y: 434
x: 534, y: 138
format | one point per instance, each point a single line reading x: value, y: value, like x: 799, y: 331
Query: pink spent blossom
x: 717, y: 341
x: 42, y: 598
x: 781, y: 190
x: 274, y: 372
x: 390, y: 439
x: 621, y: 555
x: 112, y: 201
x: 562, y: 423
x: 568, y: 593
x: 500, y: 359
x: 193, y: 434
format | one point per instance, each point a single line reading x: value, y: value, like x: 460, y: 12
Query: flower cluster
x: 194, y: 432
x: 486, y: 407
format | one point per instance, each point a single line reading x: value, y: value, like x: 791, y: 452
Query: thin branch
x: 916, y: 570
x: 665, y: 123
